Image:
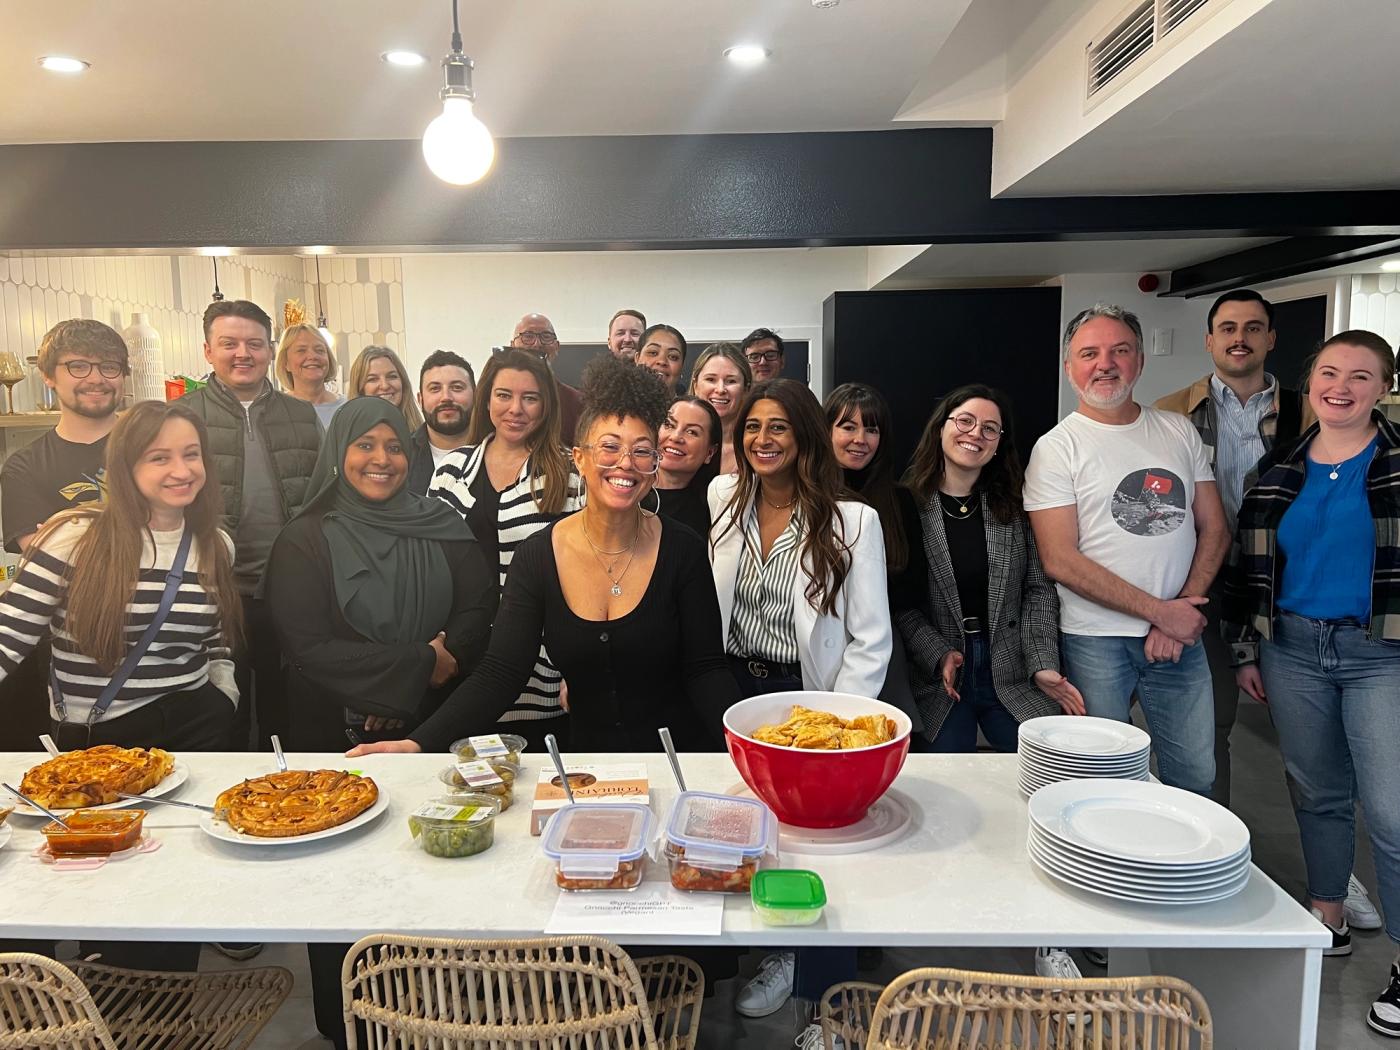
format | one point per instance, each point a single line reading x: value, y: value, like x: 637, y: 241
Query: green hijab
x: 391, y: 577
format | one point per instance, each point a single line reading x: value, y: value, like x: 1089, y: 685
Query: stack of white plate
x: 1072, y: 747
x: 1141, y: 842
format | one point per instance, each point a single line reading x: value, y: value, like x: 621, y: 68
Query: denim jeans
x: 1176, y: 698
x: 1335, y: 699
x: 978, y: 706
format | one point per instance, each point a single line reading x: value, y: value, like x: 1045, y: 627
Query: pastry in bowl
x: 96, y: 776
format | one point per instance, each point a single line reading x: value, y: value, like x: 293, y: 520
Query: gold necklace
x: 616, y: 589
x: 961, y: 501
x: 776, y: 506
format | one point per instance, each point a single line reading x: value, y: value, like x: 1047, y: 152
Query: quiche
x: 297, y: 802
x: 94, y: 776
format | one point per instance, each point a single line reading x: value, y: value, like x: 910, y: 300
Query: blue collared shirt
x: 1238, y: 446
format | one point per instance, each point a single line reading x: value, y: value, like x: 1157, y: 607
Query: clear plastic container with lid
x: 716, y: 843
x: 599, y: 846
x: 505, y: 746
x: 455, y: 825
x: 788, y: 896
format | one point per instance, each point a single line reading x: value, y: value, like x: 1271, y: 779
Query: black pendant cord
x: 218, y: 295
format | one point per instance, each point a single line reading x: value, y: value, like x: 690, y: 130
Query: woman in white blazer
x: 799, y: 572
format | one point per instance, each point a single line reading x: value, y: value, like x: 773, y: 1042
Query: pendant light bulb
x: 457, y: 146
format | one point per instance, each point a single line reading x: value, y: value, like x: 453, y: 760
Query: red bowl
x: 814, y: 789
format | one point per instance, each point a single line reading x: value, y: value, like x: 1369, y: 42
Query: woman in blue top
x: 1312, y: 609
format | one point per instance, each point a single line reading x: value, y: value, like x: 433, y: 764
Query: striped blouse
x: 187, y: 651
x: 519, y: 517
x: 762, y: 623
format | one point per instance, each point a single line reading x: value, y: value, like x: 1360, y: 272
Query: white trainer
x: 811, y: 1039
x: 769, y: 988
x: 1056, y: 962
x: 1360, y: 912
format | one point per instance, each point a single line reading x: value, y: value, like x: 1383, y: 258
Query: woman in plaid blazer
x: 979, y: 617
x: 1312, y: 613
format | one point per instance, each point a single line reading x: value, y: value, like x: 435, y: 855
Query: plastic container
x: 487, y: 777
x: 506, y: 746
x: 788, y: 896
x: 599, y: 845
x: 95, y: 833
x: 715, y: 843
x: 455, y: 825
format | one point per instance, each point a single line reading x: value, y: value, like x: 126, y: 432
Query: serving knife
x: 166, y: 802
x: 30, y: 802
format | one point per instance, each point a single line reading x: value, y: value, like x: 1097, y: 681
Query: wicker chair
x: 846, y: 1011
x: 560, y: 993
x: 937, y: 1009
x: 155, y: 1010
x: 43, y: 1005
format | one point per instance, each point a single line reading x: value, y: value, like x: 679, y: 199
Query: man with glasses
x: 535, y: 333
x: 764, y: 349
x: 85, y: 363
x: 1129, y: 526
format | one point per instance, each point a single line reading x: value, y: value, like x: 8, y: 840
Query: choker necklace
x: 961, y: 501
x: 616, y: 589
x: 777, y: 506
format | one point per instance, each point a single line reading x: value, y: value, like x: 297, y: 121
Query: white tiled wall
x: 1375, y: 304
x: 363, y: 298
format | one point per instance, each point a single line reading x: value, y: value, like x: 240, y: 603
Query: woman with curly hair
x: 623, y: 599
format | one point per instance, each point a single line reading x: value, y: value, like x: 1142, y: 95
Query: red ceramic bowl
x: 814, y: 789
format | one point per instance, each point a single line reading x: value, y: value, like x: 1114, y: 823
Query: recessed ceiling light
x: 403, y: 58
x: 1391, y: 265
x: 63, y: 64
x: 216, y: 250
x: 746, y: 54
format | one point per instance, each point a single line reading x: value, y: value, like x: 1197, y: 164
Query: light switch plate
x: 1161, y: 342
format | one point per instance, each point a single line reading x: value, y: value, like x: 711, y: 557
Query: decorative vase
x: 147, y: 362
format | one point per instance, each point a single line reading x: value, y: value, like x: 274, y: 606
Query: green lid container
x: 788, y: 896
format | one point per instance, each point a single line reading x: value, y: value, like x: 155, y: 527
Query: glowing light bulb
x: 457, y: 146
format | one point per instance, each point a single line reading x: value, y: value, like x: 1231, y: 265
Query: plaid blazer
x: 1255, y: 569
x: 1023, y: 611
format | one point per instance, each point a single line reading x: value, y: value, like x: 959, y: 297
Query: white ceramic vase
x: 147, y: 361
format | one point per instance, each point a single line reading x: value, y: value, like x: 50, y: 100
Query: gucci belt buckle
x: 758, y: 669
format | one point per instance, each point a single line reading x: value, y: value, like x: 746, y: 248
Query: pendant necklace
x: 961, y: 501
x: 616, y: 588
x: 777, y: 506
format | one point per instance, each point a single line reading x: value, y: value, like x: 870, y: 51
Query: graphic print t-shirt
x: 45, y: 477
x: 1134, y: 487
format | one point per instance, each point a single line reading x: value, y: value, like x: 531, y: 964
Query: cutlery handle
x: 553, y: 747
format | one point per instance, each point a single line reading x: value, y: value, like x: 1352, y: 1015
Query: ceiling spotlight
x: 746, y: 54
x: 63, y: 64
x: 457, y: 145
x: 403, y: 58
x: 215, y: 251
x: 1391, y: 265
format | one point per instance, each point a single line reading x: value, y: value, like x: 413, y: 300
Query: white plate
x: 1167, y: 891
x: 1140, y: 898
x: 886, y: 820
x: 1167, y: 880
x: 1032, y: 756
x: 1079, y: 735
x: 1142, y: 867
x: 5, y: 832
x: 1032, y: 782
x: 1138, y: 820
x: 177, y: 776
x: 219, y: 830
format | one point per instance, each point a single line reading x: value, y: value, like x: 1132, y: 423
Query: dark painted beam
x: 893, y: 187
x: 1273, y: 262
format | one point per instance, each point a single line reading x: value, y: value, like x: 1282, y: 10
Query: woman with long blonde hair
x: 305, y: 364
x: 378, y: 372
x: 722, y: 377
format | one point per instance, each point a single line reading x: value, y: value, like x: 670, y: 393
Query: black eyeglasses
x: 106, y: 369
x: 501, y: 351
x: 967, y: 422
x: 610, y: 454
x: 755, y: 356
x: 535, y: 338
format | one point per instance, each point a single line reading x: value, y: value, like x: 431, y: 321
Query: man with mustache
x: 85, y: 363
x: 1130, y: 527
x: 446, y: 393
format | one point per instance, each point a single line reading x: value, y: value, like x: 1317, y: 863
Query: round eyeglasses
x: 610, y: 454
x: 83, y: 369
x: 966, y: 422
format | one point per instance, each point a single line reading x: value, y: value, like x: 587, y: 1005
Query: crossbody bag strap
x: 173, y: 578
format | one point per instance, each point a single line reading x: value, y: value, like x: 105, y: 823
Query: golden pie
x: 297, y: 802
x: 94, y: 776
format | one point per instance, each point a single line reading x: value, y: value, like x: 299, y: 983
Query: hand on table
x: 1251, y: 681
x: 378, y: 723
x: 1159, y: 646
x: 385, y: 747
x: 444, y: 665
x: 949, y: 669
x: 564, y: 696
x: 1059, y: 689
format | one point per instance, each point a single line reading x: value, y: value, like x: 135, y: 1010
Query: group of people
x: 395, y: 570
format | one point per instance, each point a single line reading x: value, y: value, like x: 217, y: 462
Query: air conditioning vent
x: 1132, y: 35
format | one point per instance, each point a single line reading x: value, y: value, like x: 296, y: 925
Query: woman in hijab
x: 381, y: 597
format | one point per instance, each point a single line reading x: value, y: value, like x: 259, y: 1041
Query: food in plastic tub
x: 95, y: 832
x: 599, y: 846
x: 505, y: 746
x: 715, y: 843
x: 456, y: 825
x: 788, y: 896
x: 492, y: 777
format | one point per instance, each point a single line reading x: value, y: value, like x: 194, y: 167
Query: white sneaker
x: 1360, y: 912
x: 811, y: 1039
x: 769, y: 988
x: 1056, y: 962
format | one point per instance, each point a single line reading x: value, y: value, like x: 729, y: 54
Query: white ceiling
x: 310, y: 69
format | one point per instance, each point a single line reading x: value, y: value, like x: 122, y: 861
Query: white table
x: 960, y: 877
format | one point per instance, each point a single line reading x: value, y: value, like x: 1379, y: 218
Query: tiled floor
x: 1348, y: 984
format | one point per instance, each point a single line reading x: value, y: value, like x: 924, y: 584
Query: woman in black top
x: 381, y: 597
x: 689, y: 444
x: 981, y: 624
x: 624, y: 600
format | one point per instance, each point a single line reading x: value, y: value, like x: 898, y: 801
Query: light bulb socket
x: 457, y: 76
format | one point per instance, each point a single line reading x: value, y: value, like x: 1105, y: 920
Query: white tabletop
x: 959, y: 877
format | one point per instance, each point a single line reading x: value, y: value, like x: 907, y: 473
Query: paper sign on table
x: 652, y: 908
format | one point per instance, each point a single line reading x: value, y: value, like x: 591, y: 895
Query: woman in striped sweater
x: 510, y: 481
x: 93, y: 580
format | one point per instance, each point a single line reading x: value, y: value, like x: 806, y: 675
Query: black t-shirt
x: 45, y: 477
x: 482, y: 518
x: 967, y: 549
x: 689, y: 506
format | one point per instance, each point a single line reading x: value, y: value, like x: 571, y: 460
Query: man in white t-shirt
x: 1130, y: 527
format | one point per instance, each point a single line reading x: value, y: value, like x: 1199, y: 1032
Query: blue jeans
x: 1334, y: 696
x: 1176, y: 698
x: 979, y: 706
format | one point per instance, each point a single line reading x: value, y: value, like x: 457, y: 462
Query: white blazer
x: 844, y: 652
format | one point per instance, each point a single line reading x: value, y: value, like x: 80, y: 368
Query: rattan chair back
x: 551, y: 993
x: 939, y: 1009
x: 43, y: 1006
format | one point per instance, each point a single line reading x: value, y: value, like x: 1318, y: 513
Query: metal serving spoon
x: 30, y: 802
